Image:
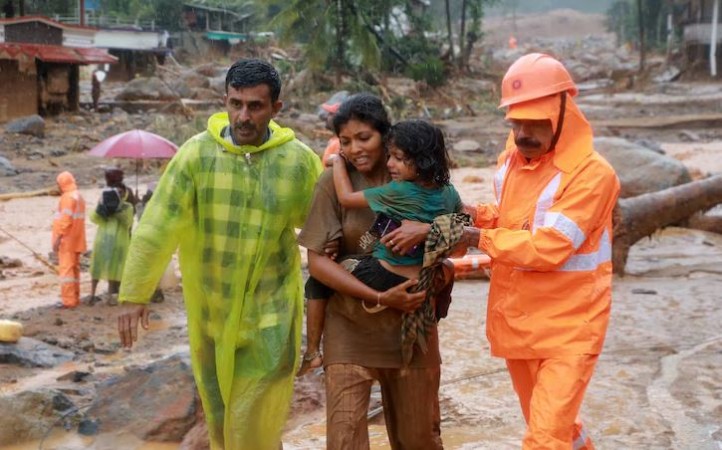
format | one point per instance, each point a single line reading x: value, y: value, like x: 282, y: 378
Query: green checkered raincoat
x: 232, y: 210
x: 111, y: 243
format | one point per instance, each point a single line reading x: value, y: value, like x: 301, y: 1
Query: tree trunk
x: 448, y: 27
x: 340, y: 39
x: 642, y: 49
x: 703, y: 222
x: 638, y: 217
x: 462, y: 32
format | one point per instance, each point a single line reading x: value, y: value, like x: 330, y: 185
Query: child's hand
x: 401, y: 240
x: 331, y: 248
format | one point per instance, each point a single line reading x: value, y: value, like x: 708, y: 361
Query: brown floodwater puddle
x: 63, y: 440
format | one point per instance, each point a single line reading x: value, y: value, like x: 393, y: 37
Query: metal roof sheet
x: 55, y: 53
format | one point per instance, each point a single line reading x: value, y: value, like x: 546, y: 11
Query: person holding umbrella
x: 114, y: 217
x: 230, y: 200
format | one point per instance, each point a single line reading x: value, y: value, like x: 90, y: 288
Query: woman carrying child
x: 360, y: 347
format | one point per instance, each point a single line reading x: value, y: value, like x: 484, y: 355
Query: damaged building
x: 40, y: 63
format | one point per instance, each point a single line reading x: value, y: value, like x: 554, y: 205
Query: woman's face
x: 362, y: 145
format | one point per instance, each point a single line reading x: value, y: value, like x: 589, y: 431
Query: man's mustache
x: 527, y: 142
x: 244, y: 126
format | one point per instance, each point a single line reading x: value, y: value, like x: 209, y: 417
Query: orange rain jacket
x: 69, y: 219
x: 549, y: 236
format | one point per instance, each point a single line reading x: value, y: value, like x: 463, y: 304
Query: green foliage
x: 431, y: 70
x: 622, y: 19
x: 355, y: 35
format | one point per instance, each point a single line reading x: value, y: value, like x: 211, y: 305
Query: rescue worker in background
x: 331, y: 108
x: 512, y: 43
x: 549, y: 236
x: 68, y: 239
x: 114, y: 217
x: 231, y: 198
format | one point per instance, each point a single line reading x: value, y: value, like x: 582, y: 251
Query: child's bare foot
x: 310, y: 361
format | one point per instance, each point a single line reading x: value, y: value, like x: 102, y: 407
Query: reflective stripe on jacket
x: 69, y: 220
x: 550, y: 240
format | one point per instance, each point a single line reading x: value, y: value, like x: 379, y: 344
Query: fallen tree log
x: 37, y: 193
x: 640, y: 216
x: 704, y: 222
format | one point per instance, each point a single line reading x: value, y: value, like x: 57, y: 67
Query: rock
x: 34, y: 155
x: 670, y: 74
x: 146, y: 89
x: 196, y: 438
x: 204, y: 94
x: 8, y: 263
x: 76, y: 376
x: 156, y: 402
x: 33, y: 125
x: 467, y: 146
x: 88, y: 427
x: 652, y: 145
x: 689, y: 136
x: 218, y: 84
x: 29, y: 352
x: 211, y: 70
x: 28, y: 415
x: 6, y: 168
x: 188, y: 83
x: 641, y: 170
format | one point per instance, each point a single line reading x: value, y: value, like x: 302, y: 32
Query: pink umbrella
x: 135, y: 144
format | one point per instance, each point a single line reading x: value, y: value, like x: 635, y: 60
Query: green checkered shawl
x: 445, y: 233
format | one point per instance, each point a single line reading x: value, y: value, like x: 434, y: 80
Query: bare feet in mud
x: 309, y: 362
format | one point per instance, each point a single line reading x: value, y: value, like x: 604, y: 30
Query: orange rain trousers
x: 69, y: 226
x: 69, y: 272
x: 550, y: 393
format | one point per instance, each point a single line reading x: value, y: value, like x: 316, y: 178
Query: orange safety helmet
x: 533, y: 76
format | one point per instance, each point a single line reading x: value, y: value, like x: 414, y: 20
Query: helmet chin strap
x: 560, y: 122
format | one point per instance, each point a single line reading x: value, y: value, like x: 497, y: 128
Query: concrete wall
x: 33, y: 33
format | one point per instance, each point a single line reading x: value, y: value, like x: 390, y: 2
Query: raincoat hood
x: 576, y: 139
x: 66, y: 181
x: 219, y: 121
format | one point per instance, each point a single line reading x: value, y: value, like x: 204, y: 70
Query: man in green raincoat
x: 231, y: 198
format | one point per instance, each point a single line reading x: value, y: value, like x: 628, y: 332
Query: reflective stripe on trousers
x: 69, y: 276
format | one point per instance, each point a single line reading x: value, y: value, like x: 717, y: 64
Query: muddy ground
x: 657, y: 384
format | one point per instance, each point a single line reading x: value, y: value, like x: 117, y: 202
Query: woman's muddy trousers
x: 410, y: 400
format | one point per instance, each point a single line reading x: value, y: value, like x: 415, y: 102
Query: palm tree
x: 335, y: 31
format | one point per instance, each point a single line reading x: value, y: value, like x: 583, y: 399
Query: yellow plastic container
x: 10, y: 331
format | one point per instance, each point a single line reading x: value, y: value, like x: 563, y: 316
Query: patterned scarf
x: 445, y: 233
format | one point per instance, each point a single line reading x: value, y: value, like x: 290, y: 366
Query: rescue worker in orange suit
x: 69, y: 238
x: 549, y: 236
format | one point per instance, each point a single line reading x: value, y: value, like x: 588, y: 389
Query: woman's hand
x: 398, y: 298
x: 403, y: 239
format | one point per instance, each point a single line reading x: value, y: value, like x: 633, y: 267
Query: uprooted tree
x: 639, y: 217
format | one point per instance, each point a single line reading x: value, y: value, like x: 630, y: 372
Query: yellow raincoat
x: 233, y: 210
